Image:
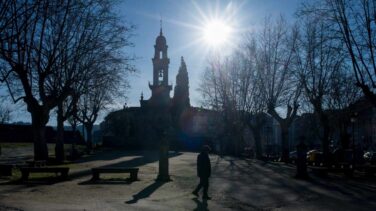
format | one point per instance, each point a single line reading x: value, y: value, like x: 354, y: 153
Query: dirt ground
x: 236, y: 184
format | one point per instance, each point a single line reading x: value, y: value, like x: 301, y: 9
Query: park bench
x: 96, y: 171
x: 25, y: 171
x: 36, y: 163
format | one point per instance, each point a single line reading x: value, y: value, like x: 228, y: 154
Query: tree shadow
x: 112, y: 181
x: 110, y: 154
x: 201, y: 206
x: 146, y: 192
x: 46, y: 180
x: 144, y: 157
x: 153, y: 156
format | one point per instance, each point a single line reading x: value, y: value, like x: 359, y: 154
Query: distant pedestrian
x: 203, y: 172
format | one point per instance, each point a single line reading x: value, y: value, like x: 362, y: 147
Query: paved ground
x: 236, y: 184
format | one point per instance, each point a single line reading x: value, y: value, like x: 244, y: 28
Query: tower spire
x: 160, y: 33
x: 181, y: 91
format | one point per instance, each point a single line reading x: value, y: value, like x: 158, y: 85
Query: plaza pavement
x: 236, y: 184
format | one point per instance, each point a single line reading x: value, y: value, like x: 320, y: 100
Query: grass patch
x: 70, y: 166
x: 16, y: 175
x: 15, y: 145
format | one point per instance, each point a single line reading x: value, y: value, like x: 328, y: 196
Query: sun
x: 216, y: 33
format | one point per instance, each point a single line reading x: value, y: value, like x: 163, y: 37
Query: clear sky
x: 184, y: 23
x: 187, y: 27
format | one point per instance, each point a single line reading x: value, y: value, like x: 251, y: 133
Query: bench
x: 25, y: 171
x: 97, y: 171
x: 36, y: 163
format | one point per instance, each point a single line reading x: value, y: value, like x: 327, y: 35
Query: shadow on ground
x: 200, y: 206
x: 145, y: 158
x: 34, y: 182
x: 112, y: 181
x: 276, y: 181
x: 146, y: 192
x: 108, y: 154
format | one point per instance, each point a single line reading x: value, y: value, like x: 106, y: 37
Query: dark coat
x: 203, y: 165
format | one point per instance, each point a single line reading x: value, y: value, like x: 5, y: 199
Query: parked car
x: 314, y: 156
x: 370, y: 157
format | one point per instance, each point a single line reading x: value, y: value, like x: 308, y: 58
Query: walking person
x: 203, y: 172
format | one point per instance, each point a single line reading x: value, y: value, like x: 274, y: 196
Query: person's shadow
x: 146, y: 192
x: 201, y: 206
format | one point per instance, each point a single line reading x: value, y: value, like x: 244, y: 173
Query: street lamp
x: 353, y: 119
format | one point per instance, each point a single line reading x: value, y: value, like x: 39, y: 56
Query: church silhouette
x: 186, y: 127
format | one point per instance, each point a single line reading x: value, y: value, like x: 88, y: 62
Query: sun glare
x: 216, y: 33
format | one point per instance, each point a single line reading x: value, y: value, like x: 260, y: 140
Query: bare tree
x: 255, y: 79
x: 329, y: 55
x: 219, y: 93
x: 356, y: 21
x: 40, y: 47
x: 64, y: 111
x: 353, y: 24
x: 5, y: 114
x: 320, y: 59
x: 230, y: 86
x: 275, y: 46
x: 250, y: 98
x: 100, y: 91
x: 101, y: 48
x: 343, y: 94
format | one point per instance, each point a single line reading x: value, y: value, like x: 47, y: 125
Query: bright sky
x: 193, y: 29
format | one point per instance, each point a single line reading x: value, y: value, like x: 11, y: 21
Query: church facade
x: 142, y: 127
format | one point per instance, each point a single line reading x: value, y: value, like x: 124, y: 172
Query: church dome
x: 161, y: 40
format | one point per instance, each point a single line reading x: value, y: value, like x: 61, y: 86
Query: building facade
x: 160, y: 115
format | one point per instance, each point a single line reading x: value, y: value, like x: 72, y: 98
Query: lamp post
x: 162, y: 126
x: 353, y: 120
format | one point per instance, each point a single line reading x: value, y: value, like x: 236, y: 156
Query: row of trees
x: 323, y: 62
x: 64, y: 55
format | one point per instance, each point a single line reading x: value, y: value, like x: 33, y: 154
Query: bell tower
x: 160, y: 87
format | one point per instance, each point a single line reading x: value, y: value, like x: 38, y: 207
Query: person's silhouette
x: 203, y: 171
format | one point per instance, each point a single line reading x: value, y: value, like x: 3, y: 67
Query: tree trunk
x: 325, y: 145
x: 285, y: 142
x: 59, y: 148
x: 257, y: 137
x: 73, y: 152
x: 38, y: 121
x: 89, y: 141
x: 371, y: 96
x: 258, y: 123
x: 325, y: 137
x: 237, y: 140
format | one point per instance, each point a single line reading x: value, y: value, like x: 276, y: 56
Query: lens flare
x: 216, y: 33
